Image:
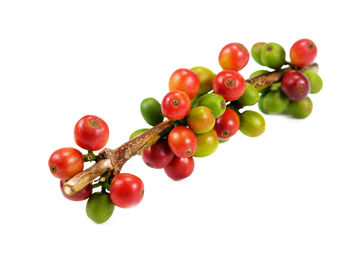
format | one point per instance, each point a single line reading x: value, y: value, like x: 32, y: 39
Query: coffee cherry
x: 151, y: 111
x: 250, y: 96
x: 185, y: 80
x: 300, y: 109
x: 180, y: 168
x: 275, y: 86
x: 182, y: 141
x: 206, y: 78
x: 252, y: 124
x: 315, y: 81
x: 99, y: 208
x: 303, y: 52
x: 256, y: 52
x: 200, y: 119
x: 275, y: 102
x: 295, y: 85
x: 176, y: 105
x: 234, y: 57
x: 273, y: 55
x: 258, y: 73
x: 227, y: 124
x: 158, y: 155
x: 229, y: 84
x: 66, y: 162
x: 216, y: 103
x: 126, y: 190
x: 260, y: 103
x: 206, y: 144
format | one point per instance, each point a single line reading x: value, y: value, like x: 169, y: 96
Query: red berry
x: 182, y: 141
x: 185, y: 80
x: 64, y: 163
x: 176, y: 105
x: 180, y: 168
x: 78, y: 196
x: 126, y: 190
x: 158, y: 155
x: 295, y: 85
x: 229, y: 84
x: 234, y: 56
x: 91, y: 133
x: 303, y: 52
x: 227, y: 124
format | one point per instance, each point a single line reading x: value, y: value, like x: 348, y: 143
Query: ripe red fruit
x: 234, y: 56
x: 227, y: 124
x: 158, y: 155
x: 295, y: 85
x: 182, y: 141
x: 180, y: 168
x: 303, y: 52
x: 126, y: 190
x: 78, y: 196
x: 64, y: 163
x: 229, y: 84
x: 176, y: 105
x: 185, y: 80
x: 91, y: 133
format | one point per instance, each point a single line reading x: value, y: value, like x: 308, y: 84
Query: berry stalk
x: 115, y: 159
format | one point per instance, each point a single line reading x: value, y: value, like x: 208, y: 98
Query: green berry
x: 260, y: 105
x: 206, y: 144
x: 316, y: 82
x: 300, y: 109
x: 275, y: 86
x: 273, y: 55
x: 250, y: 96
x: 216, y: 103
x: 99, y: 208
x: 256, y: 52
x: 258, y: 73
x: 221, y: 141
x: 275, y: 102
x: 206, y: 78
x: 151, y: 111
x: 252, y: 123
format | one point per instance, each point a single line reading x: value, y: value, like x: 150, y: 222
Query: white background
x: 286, y: 193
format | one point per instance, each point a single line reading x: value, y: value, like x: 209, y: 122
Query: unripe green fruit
x: 275, y: 86
x: 252, y: 123
x: 151, y: 111
x: 315, y: 80
x: 260, y: 103
x: 256, y: 52
x: 300, y: 109
x: 99, y: 208
x: 206, y: 144
x: 258, y: 73
x: 206, y: 78
x: 250, y: 96
x: 221, y: 141
x: 216, y: 103
x: 273, y: 55
x: 275, y: 102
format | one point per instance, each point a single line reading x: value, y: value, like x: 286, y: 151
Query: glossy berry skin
x: 252, y: 123
x: 64, y: 163
x: 295, y: 85
x: 200, y: 119
x: 126, y: 190
x: 176, y: 105
x: 227, y: 124
x: 229, y: 84
x: 206, y: 144
x: 180, y: 168
x: 91, y: 133
x: 182, y: 141
x: 185, y: 80
x: 233, y: 56
x: 158, y: 155
x: 78, y: 196
x: 256, y: 52
x: 303, y: 52
x: 206, y: 78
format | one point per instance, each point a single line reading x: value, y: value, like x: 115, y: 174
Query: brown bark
x: 115, y: 159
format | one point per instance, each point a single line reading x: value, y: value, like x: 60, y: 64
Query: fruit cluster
x: 290, y: 95
x: 204, y: 109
